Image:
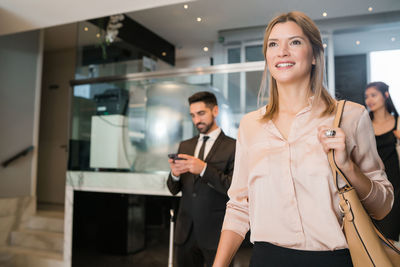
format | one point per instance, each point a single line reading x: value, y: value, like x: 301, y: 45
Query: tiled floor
x: 154, y: 255
x: 96, y: 213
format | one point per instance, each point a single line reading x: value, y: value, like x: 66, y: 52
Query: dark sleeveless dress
x: 386, y: 144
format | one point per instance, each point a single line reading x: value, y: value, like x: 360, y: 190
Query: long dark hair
x: 383, y: 88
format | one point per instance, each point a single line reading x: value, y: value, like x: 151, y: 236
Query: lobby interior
x: 94, y: 97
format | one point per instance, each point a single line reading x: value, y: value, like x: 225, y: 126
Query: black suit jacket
x: 203, y: 202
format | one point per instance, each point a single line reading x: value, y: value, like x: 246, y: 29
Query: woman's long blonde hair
x: 320, y: 93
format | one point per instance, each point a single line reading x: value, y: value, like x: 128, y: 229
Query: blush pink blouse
x: 283, y: 190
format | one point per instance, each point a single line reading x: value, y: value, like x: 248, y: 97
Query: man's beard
x: 206, y: 128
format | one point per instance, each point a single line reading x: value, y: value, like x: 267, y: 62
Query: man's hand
x: 177, y: 168
x: 187, y: 164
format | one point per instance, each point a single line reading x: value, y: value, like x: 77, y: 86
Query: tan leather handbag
x: 367, y: 245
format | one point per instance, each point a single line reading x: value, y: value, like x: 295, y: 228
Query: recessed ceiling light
x: 86, y: 29
x: 164, y: 54
x: 370, y: 9
x: 357, y: 42
x: 198, y: 19
x: 393, y: 39
x: 98, y: 35
x: 324, y: 14
x: 325, y: 45
x: 185, y: 6
x: 205, y: 49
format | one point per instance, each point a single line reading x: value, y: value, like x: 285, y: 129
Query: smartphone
x: 174, y: 156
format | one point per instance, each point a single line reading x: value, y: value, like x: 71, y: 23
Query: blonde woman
x: 282, y: 188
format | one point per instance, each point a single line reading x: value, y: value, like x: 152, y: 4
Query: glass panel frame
x: 138, y: 139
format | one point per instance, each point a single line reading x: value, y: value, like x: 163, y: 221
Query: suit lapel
x: 211, y: 153
x: 192, y: 145
x: 213, y: 149
x: 192, y: 149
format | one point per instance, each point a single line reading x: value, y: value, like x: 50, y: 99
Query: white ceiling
x: 375, y: 39
x: 25, y: 15
x: 179, y: 25
x: 171, y: 21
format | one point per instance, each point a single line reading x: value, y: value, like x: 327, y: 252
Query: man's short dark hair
x: 207, y: 97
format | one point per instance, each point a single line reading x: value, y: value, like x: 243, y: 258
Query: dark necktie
x: 203, y: 146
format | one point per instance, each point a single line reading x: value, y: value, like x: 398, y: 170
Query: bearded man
x: 203, y: 173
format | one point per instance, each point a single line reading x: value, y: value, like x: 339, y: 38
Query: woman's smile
x: 285, y: 65
x: 289, y: 53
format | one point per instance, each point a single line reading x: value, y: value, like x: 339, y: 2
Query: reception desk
x: 153, y: 184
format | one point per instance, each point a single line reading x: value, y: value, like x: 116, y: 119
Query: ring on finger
x: 330, y: 133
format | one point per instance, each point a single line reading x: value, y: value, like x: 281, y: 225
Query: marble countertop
x: 119, y: 182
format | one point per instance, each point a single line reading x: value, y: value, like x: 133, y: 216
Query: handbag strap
x: 398, y: 123
x: 331, y: 154
x: 336, y: 171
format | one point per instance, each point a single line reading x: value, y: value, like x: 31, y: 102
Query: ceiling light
x: 164, y: 54
x: 86, y: 29
x: 357, y: 42
x: 185, y: 6
x: 198, y: 19
x: 324, y: 45
x: 205, y: 49
x: 324, y: 14
x: 370, y: 9
x: 393, y: 39
x: 98, y: 35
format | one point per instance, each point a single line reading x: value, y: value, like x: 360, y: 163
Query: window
x: 253, y: 79
x: 234, y: 80
x: 383, y: 67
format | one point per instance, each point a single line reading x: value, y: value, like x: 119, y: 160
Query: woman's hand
x: 336, y: 142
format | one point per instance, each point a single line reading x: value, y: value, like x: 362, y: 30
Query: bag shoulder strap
x: 331, y: 154
x: 336, y: 171
x: 339, y: 113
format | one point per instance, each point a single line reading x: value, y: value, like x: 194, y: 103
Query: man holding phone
x: 202, y: 170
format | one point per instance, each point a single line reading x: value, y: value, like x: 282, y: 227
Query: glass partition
x: 130, y: 123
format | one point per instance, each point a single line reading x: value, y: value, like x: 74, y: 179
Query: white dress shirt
x: 210, y: 142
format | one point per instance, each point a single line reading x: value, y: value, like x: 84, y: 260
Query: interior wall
x: 58, y: 70
x: 192, y: 62
x: 351, y: 77
x: 21, y: 56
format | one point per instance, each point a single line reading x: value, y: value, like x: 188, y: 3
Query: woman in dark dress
x: 384, y: 120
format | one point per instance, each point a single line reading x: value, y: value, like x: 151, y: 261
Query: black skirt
x: 266, y: 254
